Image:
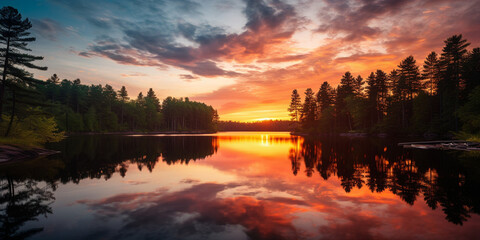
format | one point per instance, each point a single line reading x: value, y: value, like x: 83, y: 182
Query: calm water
x: 240, y: 186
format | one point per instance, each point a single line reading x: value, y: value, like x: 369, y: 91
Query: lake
x: 240, y: 185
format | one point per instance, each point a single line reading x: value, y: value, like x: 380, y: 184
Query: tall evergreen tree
x: 453, y: 54
x: 471, y: 72
x: 431, y: 72
x: 392, y: 83
x: 295, y: 106
x: 408, y: 86
x: 345, y: 90
x: 372, y: 96
x: 325, y: 96
x: 123, y: 96
x: 15, y: 38
x: 409, y: 77
x: 348, y: 84
x: 109, y: 94
x: 382, y: 87
x: 309, y: 109
x: 359, y: 82
x: 153, y: 98
x: 54, y: 79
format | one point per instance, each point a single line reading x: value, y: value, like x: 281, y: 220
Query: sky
x: 243, y: 57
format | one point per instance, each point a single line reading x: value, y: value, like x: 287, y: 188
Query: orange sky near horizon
x: 242, y: 57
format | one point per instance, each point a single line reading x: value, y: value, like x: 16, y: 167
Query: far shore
x: 133, y: 132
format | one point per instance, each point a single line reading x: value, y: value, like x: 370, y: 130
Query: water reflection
x: 446, y: 179
x: 102, y: 156
x: 240, y: 186
x: 21, y: 202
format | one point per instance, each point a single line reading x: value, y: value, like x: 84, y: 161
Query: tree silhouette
x: 295, y: 106
x: 450, y: 79
x: 325, y: 96
x: 14, y: 35
x: 123, y: 96
x: 309, y: 109
x: 431, y: 72
x: 359, y: 82
x: 22, y: 201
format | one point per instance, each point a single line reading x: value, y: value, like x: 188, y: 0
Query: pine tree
x: 372, y: 96
x: 15, y: 38
x: 54, y: 79
x: 431, y: 72
x: 348, y: 84
x: 345, y: 89
x: 453, y: 54
x: 393, y: 85
x: 382, y: 86
x: 109, y: 94
x: 123, y: 96
x: 471, y: 72
x: 359, y: 86
x: 325, y: 96
x: 410, y: 76
x: 295, y: 106
x: 372, y: 89
x: 308, y: 109
x: 153, y: 98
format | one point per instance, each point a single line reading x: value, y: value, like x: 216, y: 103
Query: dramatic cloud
x: 237, y: 54
x: 188, y: 77
x: 156, y: 42
x: 353, y: 17
x: 47, y: 28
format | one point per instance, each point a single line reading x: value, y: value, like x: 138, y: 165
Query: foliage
x: 97, y: 108
x: 469, y: 113
x: 14, y: 35
x: 295, y: 106
x: 35, y: 129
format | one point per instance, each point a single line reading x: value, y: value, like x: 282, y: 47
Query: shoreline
x: 376, y: 135
x: 135, y: 132
x: 11, y: 153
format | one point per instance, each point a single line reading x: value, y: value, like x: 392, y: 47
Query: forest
x: 440, y: 98
x: 97, y: 108
x: 39, y: 111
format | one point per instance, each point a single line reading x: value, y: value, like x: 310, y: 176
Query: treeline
x: 440, y: 97
x: 266, y: 125
x: 97, y: 108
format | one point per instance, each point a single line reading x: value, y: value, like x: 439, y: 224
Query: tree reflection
x: 21, y: 202
x: 448, y: 180
x: 102, y: 156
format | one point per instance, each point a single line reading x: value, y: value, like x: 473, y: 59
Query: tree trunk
x: 4, y: 77
x: 12, y: 116
x: 121, y: 115
x: 66, y: 120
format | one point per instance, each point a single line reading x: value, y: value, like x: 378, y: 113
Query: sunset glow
x: 242, y: 57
